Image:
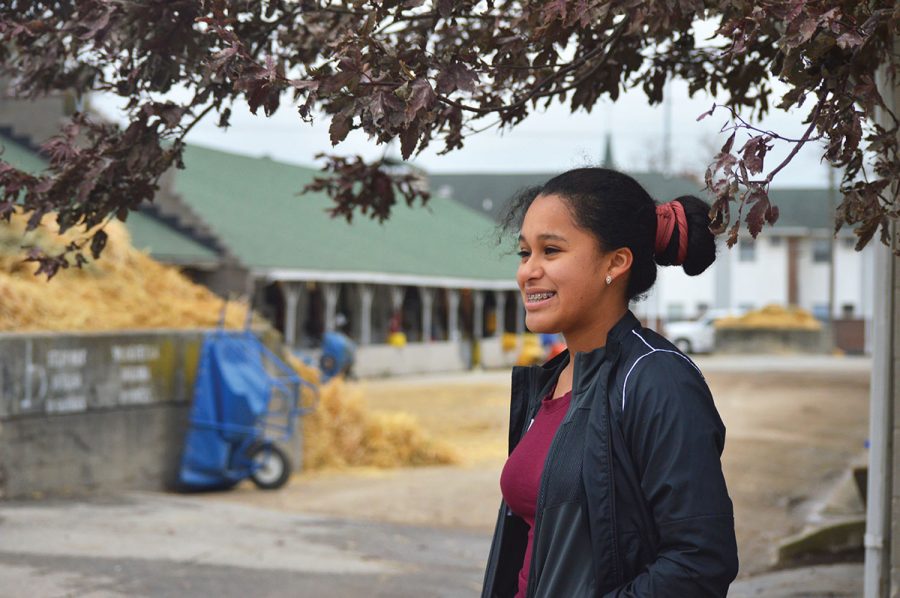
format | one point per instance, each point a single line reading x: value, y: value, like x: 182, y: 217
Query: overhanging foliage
x: 422, y: 72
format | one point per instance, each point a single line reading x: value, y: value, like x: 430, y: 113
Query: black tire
x: 274, y: 467
x: 683, y: 345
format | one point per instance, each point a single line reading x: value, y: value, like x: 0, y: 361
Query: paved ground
x: 793, y: 422
x: 160, y: 545
x: 157, y: 545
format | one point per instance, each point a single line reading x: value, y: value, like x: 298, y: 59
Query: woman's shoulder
x: 652, y: 368
x: 642, y: 343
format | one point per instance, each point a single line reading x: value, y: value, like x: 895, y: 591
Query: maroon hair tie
x: 667, y: 215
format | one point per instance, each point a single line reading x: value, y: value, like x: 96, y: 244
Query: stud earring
x: 608, y: 280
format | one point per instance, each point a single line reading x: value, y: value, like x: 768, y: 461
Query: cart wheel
x: 273, y: 468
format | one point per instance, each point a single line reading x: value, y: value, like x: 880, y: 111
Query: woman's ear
x: 620, y: 261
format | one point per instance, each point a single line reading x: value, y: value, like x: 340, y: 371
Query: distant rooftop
x: 491, y: 194
x: 147, y: 233
x: 254, y: 205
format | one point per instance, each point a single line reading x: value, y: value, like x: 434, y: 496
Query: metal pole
x: 366, y: 294
x: 427, y: 295
x: 500, y: 310
x: 291, y: 299
x: 879, y: 558
x: 832, y: 192
x: 453, y: 314
x: 881, y: 424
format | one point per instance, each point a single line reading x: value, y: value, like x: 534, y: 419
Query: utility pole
x: 882, y: 565
x: 832, y: 193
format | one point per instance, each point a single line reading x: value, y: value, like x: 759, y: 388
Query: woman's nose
x: 530, y: 269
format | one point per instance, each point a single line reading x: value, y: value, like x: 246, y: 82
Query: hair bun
x: 699, y: 251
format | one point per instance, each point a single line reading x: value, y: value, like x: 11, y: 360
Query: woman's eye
x: 523, y: 253
x: 551, y: 250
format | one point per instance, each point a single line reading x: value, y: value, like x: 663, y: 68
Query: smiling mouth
x: 536, y: 297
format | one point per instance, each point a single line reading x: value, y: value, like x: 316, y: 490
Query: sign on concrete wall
x: 72, y: 373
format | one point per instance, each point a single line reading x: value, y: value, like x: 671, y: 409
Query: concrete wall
x: 433, y: 357
x: 93, y: 412
x: 493, y: 355
x: 772, y: 341
x: 413, y: 358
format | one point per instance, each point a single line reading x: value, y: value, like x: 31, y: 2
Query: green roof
x: 803, y: 208
x: 474, y: 189
x: 167, y: 244
x: 254, y: 206
x: 147, y: 233
x: 798, y: 208
x: 20, y: 157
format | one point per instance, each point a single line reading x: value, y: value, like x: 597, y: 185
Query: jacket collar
x: 529, y: 383
x: 587, y: 363
x: 623, y: 327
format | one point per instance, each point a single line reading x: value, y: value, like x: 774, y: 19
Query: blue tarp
x: 231, y: 397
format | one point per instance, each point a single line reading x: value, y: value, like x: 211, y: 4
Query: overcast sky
x: 549, y: 141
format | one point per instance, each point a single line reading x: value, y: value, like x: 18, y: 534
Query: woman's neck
x: 592, y: 337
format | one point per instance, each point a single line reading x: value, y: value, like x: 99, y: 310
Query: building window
x: 821, y: 251
x: 702, y: 308
x: 775, y: 241
x: 847, y: 310
x: 849, y: 242
x: 747, y: 250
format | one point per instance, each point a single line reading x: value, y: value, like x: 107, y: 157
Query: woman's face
x: 562, y: 271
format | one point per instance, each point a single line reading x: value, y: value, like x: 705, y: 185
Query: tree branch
x: 801, y: 142
x: 535, y: 91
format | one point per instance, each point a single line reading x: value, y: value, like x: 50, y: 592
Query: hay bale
x: 124, y: 290
x: 128, y: 290
x: 772, y: 317
x: 342, y: 433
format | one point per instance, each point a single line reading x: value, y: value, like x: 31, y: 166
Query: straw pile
x: 128, y: 290
x: 123, y: 290
x: 341, y: 432
x: 772, y: 317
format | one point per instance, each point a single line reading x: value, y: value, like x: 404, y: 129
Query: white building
x: 788, y: 264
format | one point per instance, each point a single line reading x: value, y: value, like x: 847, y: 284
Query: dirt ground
x: 793, y: 429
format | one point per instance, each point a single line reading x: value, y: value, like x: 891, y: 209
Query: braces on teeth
x: 539, y: 296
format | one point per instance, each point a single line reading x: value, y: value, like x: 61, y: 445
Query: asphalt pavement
x: 160, y: 545
x: 156, y: 545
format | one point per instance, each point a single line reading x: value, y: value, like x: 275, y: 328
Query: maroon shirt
x: 520, y: 481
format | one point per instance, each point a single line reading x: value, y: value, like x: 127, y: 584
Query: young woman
x: 614, y: 485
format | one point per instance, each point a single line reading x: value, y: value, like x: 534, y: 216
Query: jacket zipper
x: 539, y: 506
x: 617, y: 570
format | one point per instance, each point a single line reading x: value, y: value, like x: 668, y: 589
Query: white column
x: 879, y: 562
x: 520, y: 316
x: 500, y: 312
x: 366, y: 294
x: 330, y: 290
x: 453, y: 314
x: 396, y: 298
x: 477, y: 315
x: 291, y: 292
x: 427, y: 296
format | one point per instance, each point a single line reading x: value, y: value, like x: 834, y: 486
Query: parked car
x: 698, y: 336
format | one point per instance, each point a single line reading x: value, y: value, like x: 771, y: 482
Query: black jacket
x: 632, y: 500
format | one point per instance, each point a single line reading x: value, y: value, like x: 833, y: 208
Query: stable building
x: 241, y: 226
